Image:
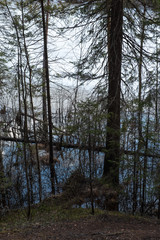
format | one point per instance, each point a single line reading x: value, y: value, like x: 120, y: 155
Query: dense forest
x: 79, y: 105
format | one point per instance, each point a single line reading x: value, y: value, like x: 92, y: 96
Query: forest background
x: 79, y: 106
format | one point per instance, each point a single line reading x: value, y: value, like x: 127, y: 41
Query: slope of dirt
x: 102, y: 227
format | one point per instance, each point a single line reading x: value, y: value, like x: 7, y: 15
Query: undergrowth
x: 52, y: 210
x: 48, y: 211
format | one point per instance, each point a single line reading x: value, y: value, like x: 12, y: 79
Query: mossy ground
x: 54, y: 218
x: 49, y: 210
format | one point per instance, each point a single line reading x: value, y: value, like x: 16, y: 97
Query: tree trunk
x: 32, y: 109
x: 44, y: 93
x: 90, y: 169
x: 2, y: 176
x: 51, y: 162
x: 145, y: 163
x: 112, y: 155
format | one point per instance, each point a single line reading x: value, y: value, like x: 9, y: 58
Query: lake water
x: 16, y: 178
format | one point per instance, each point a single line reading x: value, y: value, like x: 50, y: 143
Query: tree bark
x: 112, y: 154
x: 46, y: 70
x: 2, y: 176
x: 44, y: 93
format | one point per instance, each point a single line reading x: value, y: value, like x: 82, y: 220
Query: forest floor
x: 54, y: 222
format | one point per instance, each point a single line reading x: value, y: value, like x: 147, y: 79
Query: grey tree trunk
x: 46, y: 70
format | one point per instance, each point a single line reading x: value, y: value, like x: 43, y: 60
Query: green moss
x: 48, y: 211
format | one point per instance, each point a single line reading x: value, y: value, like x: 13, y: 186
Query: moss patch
x: 48, y: 211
